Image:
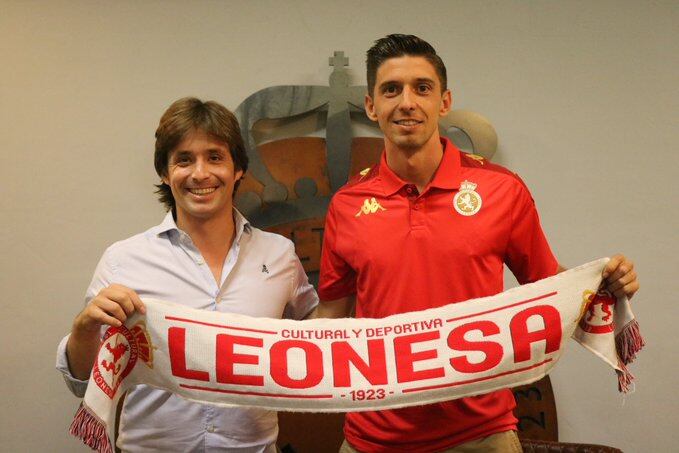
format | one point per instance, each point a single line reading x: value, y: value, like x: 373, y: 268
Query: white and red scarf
x: 343, y: 365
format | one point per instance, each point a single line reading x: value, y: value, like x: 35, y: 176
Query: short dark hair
x: 191, y: 114
x: 396, y: 45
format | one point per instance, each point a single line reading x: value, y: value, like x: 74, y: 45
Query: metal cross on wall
x: 278, y: 102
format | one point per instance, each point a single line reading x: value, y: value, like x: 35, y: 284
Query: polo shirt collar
x: 447, y: 175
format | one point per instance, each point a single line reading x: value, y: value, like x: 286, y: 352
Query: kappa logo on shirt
x: 370, y: 206
x: 265, y: 270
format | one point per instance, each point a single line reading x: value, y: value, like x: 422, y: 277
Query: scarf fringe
x: 629, y: 342
x: 90, y: 430
x: 625, y: 378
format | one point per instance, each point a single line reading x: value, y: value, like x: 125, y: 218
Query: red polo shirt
x: 400, y: 251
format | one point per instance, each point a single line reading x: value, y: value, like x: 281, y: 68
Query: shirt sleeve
x: 103, y: 276
x: 303, y: 298
x: 528, y: 254
x: 337, y: 278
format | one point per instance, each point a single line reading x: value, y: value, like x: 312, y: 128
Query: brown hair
x: 394, y: 46
x: 186, y: 115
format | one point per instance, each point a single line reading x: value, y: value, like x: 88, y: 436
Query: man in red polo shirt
x: 429, y: 226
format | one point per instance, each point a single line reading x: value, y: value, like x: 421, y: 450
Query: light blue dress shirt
x: 261, y: 277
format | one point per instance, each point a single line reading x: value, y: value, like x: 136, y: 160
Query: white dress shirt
x: 261, y: 277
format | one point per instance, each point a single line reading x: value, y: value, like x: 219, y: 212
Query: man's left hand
x: 620, y: 277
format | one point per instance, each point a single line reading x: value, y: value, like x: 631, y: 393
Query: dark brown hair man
x: 204, y: 255
x: 452, y: 222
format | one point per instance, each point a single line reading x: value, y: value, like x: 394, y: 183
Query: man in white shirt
x: 204, y: 255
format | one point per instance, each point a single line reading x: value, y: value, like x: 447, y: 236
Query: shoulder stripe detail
x: 364, y: 175
x: 479, y: 163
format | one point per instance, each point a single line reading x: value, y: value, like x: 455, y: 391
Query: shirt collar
x: 167, y: 224
x: 445, y: 177
x: 241, y: 225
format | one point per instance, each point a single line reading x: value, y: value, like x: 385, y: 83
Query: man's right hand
x: 110, y: 307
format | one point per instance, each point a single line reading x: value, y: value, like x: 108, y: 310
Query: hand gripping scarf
x: 343, y: 365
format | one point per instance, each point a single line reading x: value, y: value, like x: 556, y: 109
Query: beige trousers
x: 506, y: 442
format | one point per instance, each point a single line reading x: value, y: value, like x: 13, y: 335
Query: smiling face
x: 201, y: 175
x: 407, y: 102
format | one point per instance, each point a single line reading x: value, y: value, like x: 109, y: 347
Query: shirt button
x: 211, y: 428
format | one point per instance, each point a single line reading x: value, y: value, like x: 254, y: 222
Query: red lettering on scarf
x: 375, y: 371
x: 176, y: 341
x: 492, y: 350
x: 279, y: 364
x: 405, y: 357
x: 522, y: 338
x: 226, y: 358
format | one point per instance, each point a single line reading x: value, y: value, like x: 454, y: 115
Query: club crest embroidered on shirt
x: 118, y: 354
x: 370, y: 206
x: 467, y: 201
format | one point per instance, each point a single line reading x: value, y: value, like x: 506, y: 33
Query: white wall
x: 583, y: 96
